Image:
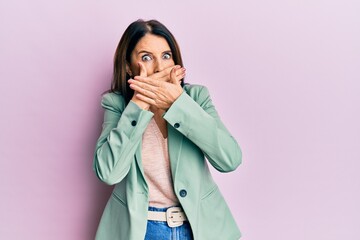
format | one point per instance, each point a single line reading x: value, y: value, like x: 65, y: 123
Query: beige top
x: 156, y: 164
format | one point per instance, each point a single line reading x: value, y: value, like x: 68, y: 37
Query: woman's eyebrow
x: 144, y: 51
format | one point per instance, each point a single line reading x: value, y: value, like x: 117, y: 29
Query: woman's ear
x: 128, y: 70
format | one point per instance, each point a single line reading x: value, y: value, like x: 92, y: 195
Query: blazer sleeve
x: 121, y: 135
x: 194, y: 115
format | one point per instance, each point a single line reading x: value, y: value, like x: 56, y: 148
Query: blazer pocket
x: 216, y: 218
x: 212, y: 190
x: 118, y: 199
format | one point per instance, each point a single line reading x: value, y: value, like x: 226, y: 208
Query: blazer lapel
x: 175, y: 140
x: 139, y: 163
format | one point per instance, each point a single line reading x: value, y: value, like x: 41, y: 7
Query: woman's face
x: 155, y: 54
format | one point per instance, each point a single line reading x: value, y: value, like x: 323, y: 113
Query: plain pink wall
x: 284, y: 76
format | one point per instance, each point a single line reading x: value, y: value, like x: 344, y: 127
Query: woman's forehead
x: 152, y: 44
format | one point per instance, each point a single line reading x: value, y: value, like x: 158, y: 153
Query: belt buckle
x: 173, y: 215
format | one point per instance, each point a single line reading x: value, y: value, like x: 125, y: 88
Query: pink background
x: 284, y: 76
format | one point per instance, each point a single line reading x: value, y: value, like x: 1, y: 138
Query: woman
x: 156, y: 134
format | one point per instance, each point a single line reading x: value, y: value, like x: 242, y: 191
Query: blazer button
x: 133, y: 123
x: 176, y: 125
x: 183, y: 193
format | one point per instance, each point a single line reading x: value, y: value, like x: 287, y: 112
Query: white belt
x: 174, y: 216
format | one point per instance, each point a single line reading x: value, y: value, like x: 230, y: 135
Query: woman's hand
x: 160, y: 94
x: 164, y: 75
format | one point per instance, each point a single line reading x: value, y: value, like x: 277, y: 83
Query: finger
x: 142, y: 84
x: 153, y: 92
x: 163, y: 73
x: 144, y: 90
x: 143, y: 71
x: 173, y: 78
x: 180, y: 74
x: 148, y: 80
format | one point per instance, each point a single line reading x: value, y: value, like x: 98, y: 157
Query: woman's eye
x: 146, y: 58
x: 167, y: 56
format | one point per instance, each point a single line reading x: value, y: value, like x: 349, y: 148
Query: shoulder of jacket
x: 196, y: 91
x: 113, y: 100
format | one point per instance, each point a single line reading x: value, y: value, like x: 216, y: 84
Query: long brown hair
x: 132, y: 35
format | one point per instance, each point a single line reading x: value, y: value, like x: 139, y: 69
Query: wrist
x: 143, y: 105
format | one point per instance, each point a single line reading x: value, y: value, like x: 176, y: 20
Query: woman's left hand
x: 159, y: 94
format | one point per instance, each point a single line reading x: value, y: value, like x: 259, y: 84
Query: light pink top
x: 156, y: 164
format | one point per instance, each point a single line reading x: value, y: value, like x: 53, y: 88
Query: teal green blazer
x: 195, y: 131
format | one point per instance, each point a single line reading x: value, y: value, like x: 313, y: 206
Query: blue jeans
x: 158, y: 230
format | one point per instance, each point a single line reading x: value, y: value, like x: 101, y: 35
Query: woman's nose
x: 159, y: 65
